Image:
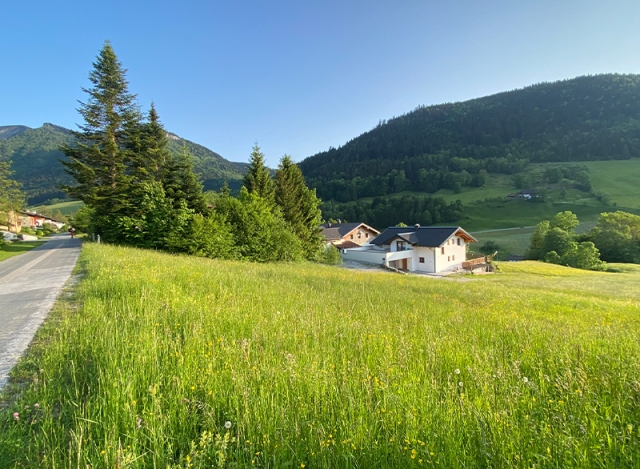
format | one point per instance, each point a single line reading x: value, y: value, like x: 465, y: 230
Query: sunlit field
x: 164, y: 361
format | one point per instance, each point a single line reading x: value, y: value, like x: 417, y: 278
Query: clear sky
x: 300, y: 76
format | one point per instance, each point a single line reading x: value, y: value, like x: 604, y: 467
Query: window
x: 421, y: 260
x: 359, y: 235
x: 400, y: 246
x: 449, y: 258
x: 351, y: 236
x: 459, y: 241
x: 442, y: 250
x: 366, y: 235
x: 453, y: 258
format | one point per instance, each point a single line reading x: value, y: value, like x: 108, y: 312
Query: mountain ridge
x: 34, y: 153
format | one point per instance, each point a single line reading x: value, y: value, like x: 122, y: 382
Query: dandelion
x: 16, y: 416
x: 525, y: 380
x: 460, y: 384
x: 227, y: 424
x: 457, y: 371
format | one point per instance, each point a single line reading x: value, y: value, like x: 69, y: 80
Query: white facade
x: 401, y: 255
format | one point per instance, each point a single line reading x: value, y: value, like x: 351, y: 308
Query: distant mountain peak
x: 8, y: 131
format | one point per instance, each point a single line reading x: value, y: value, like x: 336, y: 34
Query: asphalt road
x: 29, y: 285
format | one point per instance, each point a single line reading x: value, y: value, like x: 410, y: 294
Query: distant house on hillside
x: 431, y: 249
x: 347, y: 235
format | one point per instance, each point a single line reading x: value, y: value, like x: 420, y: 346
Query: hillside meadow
x: 166, y: 361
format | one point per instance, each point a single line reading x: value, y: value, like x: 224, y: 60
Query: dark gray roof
x: 428, y: 236
x: 338, y: 230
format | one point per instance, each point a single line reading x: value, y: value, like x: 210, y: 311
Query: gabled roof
x: 427, y: 236
x: 335, y: 231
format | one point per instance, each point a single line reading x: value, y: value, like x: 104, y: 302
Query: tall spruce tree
x: 98, y: 158
x: 150, y: 157
x: 258, y: 180
x: 299, y: 206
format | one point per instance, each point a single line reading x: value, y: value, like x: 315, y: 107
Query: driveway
x: 29, y: 285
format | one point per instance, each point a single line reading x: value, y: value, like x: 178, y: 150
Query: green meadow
x: 164, y: 361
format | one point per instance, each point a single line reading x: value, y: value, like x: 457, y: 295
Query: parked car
x: 8, y: 236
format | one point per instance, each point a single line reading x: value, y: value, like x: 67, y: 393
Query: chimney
x: 329, y: 225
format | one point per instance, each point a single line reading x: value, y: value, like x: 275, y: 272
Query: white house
x: 431, y: 249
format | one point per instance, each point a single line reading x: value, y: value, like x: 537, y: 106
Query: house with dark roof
x: 347, y: 235
x: 430, y: 249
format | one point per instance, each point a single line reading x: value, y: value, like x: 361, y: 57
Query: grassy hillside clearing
x: 66, y: 208
x: 165, y: 361
x: 515, y: 240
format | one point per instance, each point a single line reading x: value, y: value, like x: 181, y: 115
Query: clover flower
x: 16, y: 416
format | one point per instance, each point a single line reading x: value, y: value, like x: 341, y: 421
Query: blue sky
x: 300, y: 76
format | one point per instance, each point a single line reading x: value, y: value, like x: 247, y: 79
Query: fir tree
x: 299, y: 206
x: 98, y: 157
x: 181, y: 182
x: 148, y: 145
x: 257, y: 180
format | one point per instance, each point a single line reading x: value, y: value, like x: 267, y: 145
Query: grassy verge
x: 8, y: 250
x: 313, y: 366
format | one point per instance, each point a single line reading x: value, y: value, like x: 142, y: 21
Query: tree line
x: 615, y: 238
x: 382, y: 212
x: 137, y: 193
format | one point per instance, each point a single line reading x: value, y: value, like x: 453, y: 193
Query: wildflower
x: 139, y: 423
x: 457, y: 371
x: 185, y: 400
x: 227, y: 424
x: 460, y: 384
x: 16, y: 416
x: 301, y: 464
x: 525, y: 380
x: 36, y: 405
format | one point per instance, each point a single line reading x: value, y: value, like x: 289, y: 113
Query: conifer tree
x: 98, y: 157
x: 181, y: 182
x: 150, y: 156
x: 257, y: 180
x: 299, y: 206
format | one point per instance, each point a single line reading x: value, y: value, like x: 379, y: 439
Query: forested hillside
x: 455, y: 145
x: 35, y: 155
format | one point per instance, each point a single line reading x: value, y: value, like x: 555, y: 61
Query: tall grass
x: 165, y: 361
